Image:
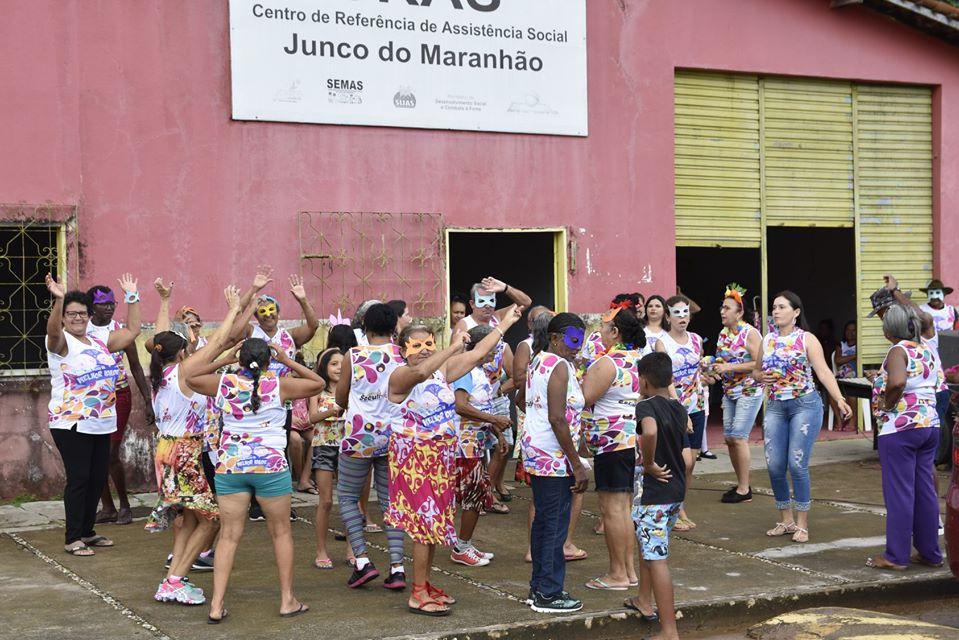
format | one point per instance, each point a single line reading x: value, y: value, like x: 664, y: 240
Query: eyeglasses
x: 76, y: 314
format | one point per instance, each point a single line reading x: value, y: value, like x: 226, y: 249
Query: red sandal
x: 439, y: 595
x: 421, y: 596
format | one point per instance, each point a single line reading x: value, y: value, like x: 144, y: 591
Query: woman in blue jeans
x: 794, y: 411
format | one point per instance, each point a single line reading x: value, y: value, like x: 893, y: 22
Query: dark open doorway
x: 525, y: 260
x: 704, y: 272
x: 820, y: 266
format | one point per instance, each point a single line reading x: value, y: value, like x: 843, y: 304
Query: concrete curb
x: 714, y: 614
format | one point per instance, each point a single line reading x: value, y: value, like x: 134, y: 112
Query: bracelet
x: 131, y: 297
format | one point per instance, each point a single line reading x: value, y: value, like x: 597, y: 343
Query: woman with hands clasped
x: 82, y: 410
x: 250, y: 458
x: 790, y: 354
x: 423, y: 446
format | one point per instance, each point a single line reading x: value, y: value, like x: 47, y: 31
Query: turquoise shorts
x: 261, y: 485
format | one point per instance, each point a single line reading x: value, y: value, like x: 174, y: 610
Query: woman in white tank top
x: 82, y: 409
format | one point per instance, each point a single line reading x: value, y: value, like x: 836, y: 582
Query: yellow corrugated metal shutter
x: 808, y: 152
x: 717, y: 184
x: 894, y: 174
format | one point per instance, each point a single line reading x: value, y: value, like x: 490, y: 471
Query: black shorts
x: 614, y: 471
x: 208, y: 470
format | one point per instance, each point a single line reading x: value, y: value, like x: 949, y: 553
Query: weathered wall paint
x: 123, y: 108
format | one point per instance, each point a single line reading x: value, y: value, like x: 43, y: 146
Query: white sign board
x: 483, y: 65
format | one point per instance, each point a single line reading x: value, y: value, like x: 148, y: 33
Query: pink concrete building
x: 119, y: 153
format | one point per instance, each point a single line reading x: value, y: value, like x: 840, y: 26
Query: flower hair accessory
x: 253, y: 365
x: 735, y: 291
x: 338, y: 319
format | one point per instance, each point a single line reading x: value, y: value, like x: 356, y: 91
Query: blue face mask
x: 484, y: 301
x: 573, y: 337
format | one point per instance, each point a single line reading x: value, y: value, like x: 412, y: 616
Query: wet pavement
x: 726, y: 571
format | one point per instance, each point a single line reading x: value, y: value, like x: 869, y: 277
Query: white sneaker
x: 483, y: 554
x: 469, y: 557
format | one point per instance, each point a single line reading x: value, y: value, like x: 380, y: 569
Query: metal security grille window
x: 28, y: 251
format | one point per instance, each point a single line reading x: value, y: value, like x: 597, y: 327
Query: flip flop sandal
x: 79, y: 549
x: 581, y: 555
x: 918, y: 559
x: 499, y: 508
x: 125, y: 516
x: 372, y: 528
x: 598, y: 584
x: 310, y: 490
x: 682, y: 525
x: 505, y: 497
x: 104, y: 518
x: 630, y: 604
x: 98, y: 541
x: 323, y: 564
x: 223, y: 615
x: 300, y: 611
x: 782, y: 529
x: 880, y: 562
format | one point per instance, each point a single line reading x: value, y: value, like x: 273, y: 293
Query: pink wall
x: 123, y: 108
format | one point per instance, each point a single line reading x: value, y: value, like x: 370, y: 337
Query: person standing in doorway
x: 100, y: 325
x: 82, y: 409
x: 794, y: 410
x: 459, y: 309
x: 738, y: 349
x: 845, y: 359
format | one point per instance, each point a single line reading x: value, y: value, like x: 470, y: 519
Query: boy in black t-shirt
x: 662, y: 423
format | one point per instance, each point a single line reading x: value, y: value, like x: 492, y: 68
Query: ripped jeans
x: 789, y: 431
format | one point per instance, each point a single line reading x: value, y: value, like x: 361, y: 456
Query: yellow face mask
x: 416, y: 346
x: 267, y: 310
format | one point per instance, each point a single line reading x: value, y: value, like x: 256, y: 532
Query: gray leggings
x: 352, y: 474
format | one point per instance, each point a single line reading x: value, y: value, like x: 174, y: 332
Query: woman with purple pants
x: 904, y: 398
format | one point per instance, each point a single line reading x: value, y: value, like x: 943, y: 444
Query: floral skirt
x: 422, y: 488
x: 181, y: 483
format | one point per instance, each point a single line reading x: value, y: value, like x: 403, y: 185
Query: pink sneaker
x: 469, y: 557
x: 182, y: 591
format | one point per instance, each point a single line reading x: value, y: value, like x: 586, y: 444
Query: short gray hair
x: 477, y: 334
x: 902, y: 322
x: 361, y: 312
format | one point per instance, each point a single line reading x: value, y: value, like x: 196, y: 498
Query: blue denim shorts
x: 655, y: 522
x: 261, y: 485
x: 739, y: 415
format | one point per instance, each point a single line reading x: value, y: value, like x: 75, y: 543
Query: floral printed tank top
x: 542, y: 455
x: 429, y: 411
x: 370, y: 415
x: 474, y: 436
x: 916, y: 408
x: 731, y: 349
x: 178, y: 415
x: 613, y: 423
x: 283, y: 341
x: 83, y: 387
x: 686, y: 370
x: 251, y: 442
x: 785, y: 357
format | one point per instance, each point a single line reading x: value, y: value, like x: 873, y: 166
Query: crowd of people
x: 241, y: 419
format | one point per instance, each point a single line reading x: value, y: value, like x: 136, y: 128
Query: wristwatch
x: 131, y: 296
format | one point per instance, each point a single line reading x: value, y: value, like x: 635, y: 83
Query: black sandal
x: 504, y: 497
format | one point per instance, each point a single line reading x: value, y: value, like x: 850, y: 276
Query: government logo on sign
x: 404, y: 99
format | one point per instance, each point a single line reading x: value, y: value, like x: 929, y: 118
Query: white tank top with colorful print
x: 178, y: 415
x: 370, y: 415
x: 612, y: 426
x: 494, y: 370
x: 474, y: 436
x: 732, y: 348
x: 784, y: 356
x: 847, y: 370
x: 251, y: 442
x: 83, y: 387
x: 103, y: 335
x: 542, y: 455
x: 652, y: 337
x: 429, y: 411
x: 916, y: 408
x: 283, y: 341
x: 687, y: 359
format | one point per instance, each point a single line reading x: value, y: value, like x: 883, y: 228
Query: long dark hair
x: 255, y: 358
x: 341, y: 337
x: 166, y: 346
x: 664, y: 323
x: 557, y: 324
x: 630, y: 329
x: 796, y: 303
x: 539, y: 333
x: 323, y: 363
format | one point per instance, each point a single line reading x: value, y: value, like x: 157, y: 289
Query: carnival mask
x: 936, y: 294
x: 484, y: 301
x: 106, y: 297
x: 573, y: 337
x: 267, y: 309
x: 679, y: 311
x: 416, y: 346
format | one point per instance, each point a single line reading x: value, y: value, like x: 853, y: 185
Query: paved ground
x: 727, y: 563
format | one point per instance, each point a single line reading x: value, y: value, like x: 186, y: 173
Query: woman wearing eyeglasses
x: 83, y: 374
x: 423, y: 448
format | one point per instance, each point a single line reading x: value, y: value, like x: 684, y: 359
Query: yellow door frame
x: 560, y: 258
